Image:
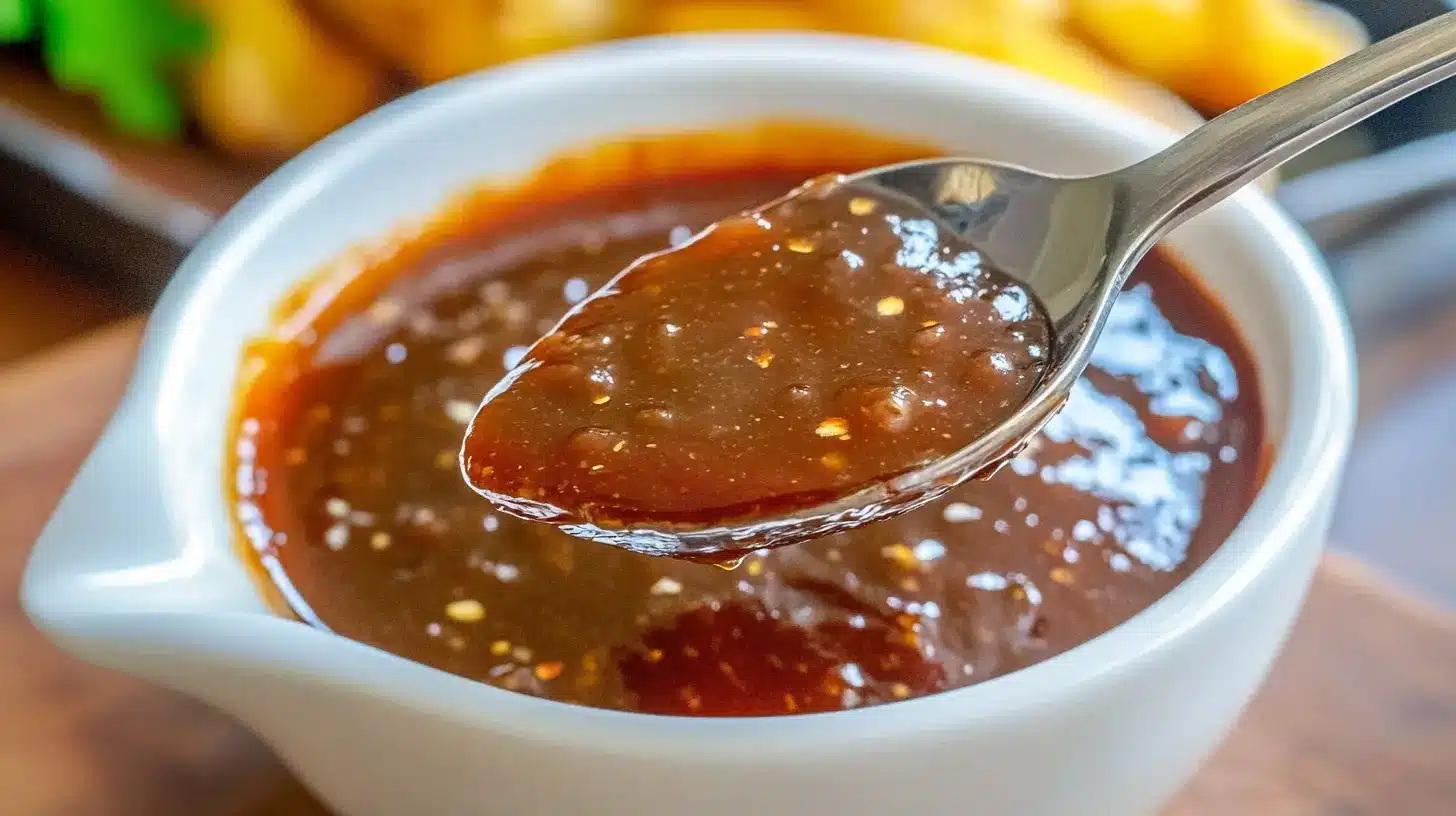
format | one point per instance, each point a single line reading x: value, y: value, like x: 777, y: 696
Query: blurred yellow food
x: 683, y: 16
x: 438, y: 39
x: 1265, y: 45
x: 1215, y: 53
x: 278, y: 79
x: 273, y: 82
x: 1018, y: 33
x: 1156, y: 38
x: 1024, y: 33
x: 902, y: 18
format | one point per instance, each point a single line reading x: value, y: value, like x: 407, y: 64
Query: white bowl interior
x: 399, y: 164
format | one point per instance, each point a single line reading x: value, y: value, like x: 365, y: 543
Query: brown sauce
x: 345, y: 481
x: 789, y: 356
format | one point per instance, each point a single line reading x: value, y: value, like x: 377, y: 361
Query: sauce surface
x: 345, y: 483
x: 785, y: 357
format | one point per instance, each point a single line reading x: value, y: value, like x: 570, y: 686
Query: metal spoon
x: 1074, y: 241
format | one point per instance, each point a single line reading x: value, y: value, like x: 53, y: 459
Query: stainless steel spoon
x: 1074, y: 241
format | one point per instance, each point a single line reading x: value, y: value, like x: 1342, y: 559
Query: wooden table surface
x: 1359, y: 716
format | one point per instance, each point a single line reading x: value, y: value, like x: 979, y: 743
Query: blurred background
x: 128, y: 126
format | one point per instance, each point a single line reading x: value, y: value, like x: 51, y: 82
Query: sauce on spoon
x: 794, y: 354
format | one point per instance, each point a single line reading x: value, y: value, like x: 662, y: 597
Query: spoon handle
x: 1209, y: 164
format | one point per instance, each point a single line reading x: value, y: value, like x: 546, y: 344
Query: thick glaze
x: 786, y: 357
x: 345, y: 483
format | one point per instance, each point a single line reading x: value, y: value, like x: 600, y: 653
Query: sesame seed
x: 890, y: 306
x: 666, y: 586
x: 958, y: 512
x: 899, y: 690
x: 337, y: 537
x: 928, y: 550
x: 988, y: 581
x: 831, y: 427
x: 601, y: 400
x: 549, y: 670
x: 521, y: 653
x: 764, y: 358
x: 801, y: 245
x: 379, y: 541
x: 385, y: 310
x: 862, y: 206
x: 338, y: 508
x: 466, y: 350
x: 834, y: 460
x: 495, y: 291
x: 901, y: 555
x: 500, y: 648
x: 465, y: 611
x: 460, y: 411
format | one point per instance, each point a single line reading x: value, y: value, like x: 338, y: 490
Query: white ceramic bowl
x: 137, y: 570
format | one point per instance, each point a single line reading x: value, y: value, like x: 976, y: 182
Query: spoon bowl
x: 1055, y: 235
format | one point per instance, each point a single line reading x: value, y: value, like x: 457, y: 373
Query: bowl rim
x: 1306, y: 459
